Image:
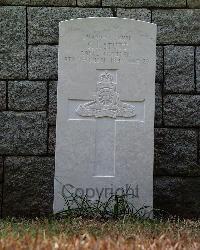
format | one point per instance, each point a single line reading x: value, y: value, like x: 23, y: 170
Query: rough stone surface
x: 52, y: 139
x: 1, y: 173
x: 27, y: 95
x: 14, y: 2
x: 42, y: 62
x: 176, y: 152
x: 86, y: 3
x: 43, y: 22
x: 23, y: 133
x: 159, y: 64
x: 198, y: 68
x: 179, y: 69
x: 2, y: 95
x: 53, y: 2
x: 52, y: 102
x: 178, y: 26
x: 144, y: 3
x: 158, y: 105
x: 28, y: 187
x: 39, y: 2
x: 193, y: 3
x: 177, y: 196
x: 138, y: 14
x: 12, y: 42
x: 1, y: 190
x: 182, y: 110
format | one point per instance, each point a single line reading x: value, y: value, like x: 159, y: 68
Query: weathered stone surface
x: 39, y: 2
x: 1, y: 173
x: 12, y: 42
x: 193, y: 3
x: 42, y: 62
x: 52, y: 139
x: 1, y: 200
x: 43, y: 22
x: 158, y: 105
x: 28, y: 186
x: 159, y: 64
x: 53, y: 2
x: 14, y: 2
x: 198, y: 68
x: 176, y: 152
x: 23, y: 133
x: 180, y: 26
x: 179, y: 69
x: 86, y: 3
x: 27, y: 95
x: 144, y: 3
x: 178, y: 196
x: 2, y: 95
x: 52, y: 102
x: 140, y: 14
x: 182, y: 110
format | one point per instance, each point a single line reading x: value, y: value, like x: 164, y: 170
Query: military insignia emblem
x: 107, y: 101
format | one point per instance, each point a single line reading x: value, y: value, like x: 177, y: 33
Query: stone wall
x: 28, y: 79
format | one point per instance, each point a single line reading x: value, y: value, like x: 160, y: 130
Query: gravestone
x: 105, y: 109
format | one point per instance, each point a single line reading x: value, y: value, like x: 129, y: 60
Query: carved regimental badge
x: 106, y: 102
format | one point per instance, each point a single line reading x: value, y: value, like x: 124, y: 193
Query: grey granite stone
x: 2, y: 95
x: 52, y: 102
x: 86, y: 3
x: 159, y: 64
x: 176, y: 152
x: 1, y: 171
x: 39, y: 2
x: 43, y: 22
x: 1, y: 200
x: 178, y: 196
x: 144, y: 3
x: 28, y: 186
x: 193, y: 3
x: 27, y: 95
x: 158, y: 105
x: 14, y: 2
x: 178, y: 26
x: 42, y: 62
x: 140, y: 14
x: 53, y: 2
x: 12, y: 42
x: 23, y: 133
x: 179, y: 69
x: 52, y: 139
x: 182, y: 110
x: 198, y: 68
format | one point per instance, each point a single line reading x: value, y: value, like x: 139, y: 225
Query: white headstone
x: 105, y: 108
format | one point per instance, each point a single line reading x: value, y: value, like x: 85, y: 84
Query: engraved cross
x: 106, y: 109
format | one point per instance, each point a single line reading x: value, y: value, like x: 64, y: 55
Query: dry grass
x: 80, y: 233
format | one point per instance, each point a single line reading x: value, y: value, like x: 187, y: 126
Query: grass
x: 111, y: 224
x: 79, y: 233
x: 115, y: 207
